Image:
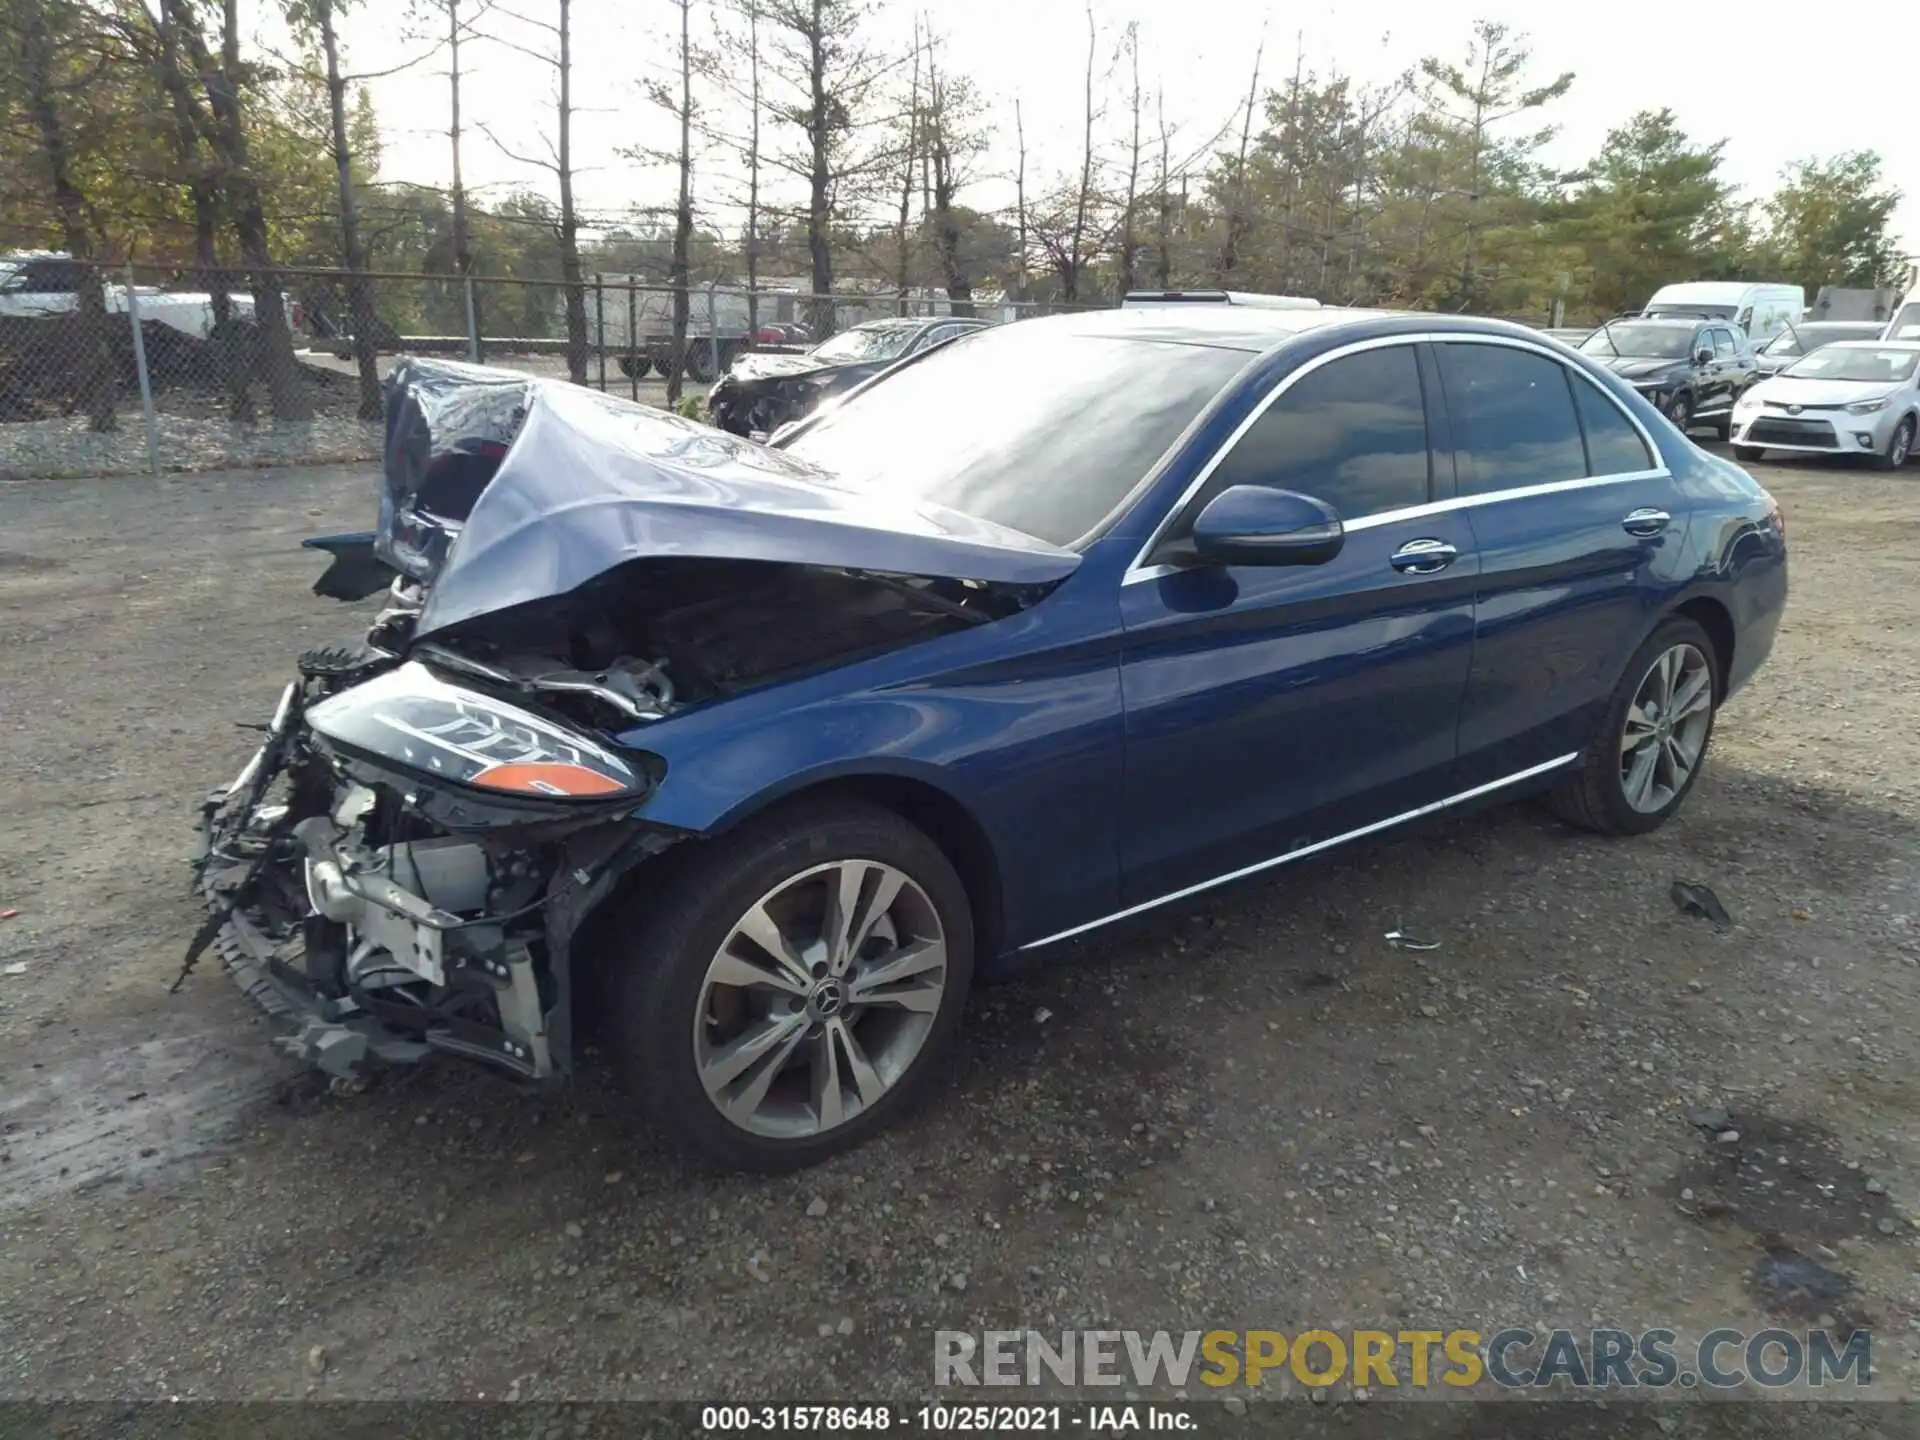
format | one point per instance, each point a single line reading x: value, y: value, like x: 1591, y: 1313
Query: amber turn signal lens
x: 546, y: 777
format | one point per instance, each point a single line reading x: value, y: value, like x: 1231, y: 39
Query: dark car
x: 1691, y: 370
x: 754, y: 757
x: 761, y: 392
x: 1800, y: 340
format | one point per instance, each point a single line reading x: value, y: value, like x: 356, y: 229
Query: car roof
x: 1687, y: 320
x: 914, y: 322
x: 1226, y: 327
x: 1873, y: 345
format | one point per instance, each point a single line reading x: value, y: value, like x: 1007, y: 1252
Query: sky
x: 1725, y: 77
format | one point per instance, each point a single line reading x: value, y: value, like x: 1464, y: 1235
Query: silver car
x: 1855, y: 397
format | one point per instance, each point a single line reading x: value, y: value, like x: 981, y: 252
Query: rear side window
x: 1352, y: 433
x: 1614, y: 447
x: 1513, y: 418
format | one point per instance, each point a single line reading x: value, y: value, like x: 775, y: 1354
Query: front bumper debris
x: 364, y: 952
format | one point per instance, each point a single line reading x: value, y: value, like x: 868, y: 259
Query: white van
x: 1905, y: 324
x: 1136, y: 299
x: 1761, y: 310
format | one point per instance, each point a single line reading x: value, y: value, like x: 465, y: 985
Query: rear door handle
x: 1646, y: 522
x: 1423, y: 557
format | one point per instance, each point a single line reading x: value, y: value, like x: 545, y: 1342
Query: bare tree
x: 828, y: 78
x: 1128, y: 244
x: 457, y: 20
x: 954, y: 137
x: 909, y: 156
x: 1237, y: 218
x: 320, y: 14
x: 1163, y: 201
x: 193, y: 147
x: 559, y: 163
x: 1020, y: 193
x: 47, y: 82
x: 1066, y: 223
x: 683, y: 210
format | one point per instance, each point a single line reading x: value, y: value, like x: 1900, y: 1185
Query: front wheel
x: 790, y: 991
x: 1899, y: 447
x: 1653, y: 738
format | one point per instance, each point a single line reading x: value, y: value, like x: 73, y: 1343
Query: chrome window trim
x: 1139, y: 571
x: 1305, y: 850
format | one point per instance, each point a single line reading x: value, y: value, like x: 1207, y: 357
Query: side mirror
x: 1703, y: 356
x: 1252, y: 525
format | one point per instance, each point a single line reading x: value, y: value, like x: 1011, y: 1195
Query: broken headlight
x: 412, y: 718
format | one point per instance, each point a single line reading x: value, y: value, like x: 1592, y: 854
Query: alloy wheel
x: 820, y: 999
x: 1680, y: 411
x: 1901, y: 445
x: 1666, y: 729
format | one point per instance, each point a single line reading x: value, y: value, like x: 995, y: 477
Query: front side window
x: 1352, y: 433
x: 1059, y: 427
x: 1513, y: 418
x: 1614, y: 447
x: 1723, y: 346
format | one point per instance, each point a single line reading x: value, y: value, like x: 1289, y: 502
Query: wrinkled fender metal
x: 592, y: 483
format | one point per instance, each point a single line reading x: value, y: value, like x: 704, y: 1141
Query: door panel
x: 1566, y: 593
x: 1268, y: 709
x: 1569, y: 578
x: 1271, y: 707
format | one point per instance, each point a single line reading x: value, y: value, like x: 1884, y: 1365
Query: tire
x: 1723, y: 430
x: 1596, y: 796
x: 635, y: 367
x: 671, y: 1021
x: 1899, y: 447
x: 1749, y: 454
x: 1680, y: 411
x: 700, y: 362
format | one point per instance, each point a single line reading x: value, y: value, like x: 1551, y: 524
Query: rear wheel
x: 700, y: 362
x: 789, y: 993
x: 1680, y: 411
x: 635, y: 367
x: 1653, y: 738
x: 1899, y: 447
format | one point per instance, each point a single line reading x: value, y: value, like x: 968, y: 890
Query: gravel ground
x: 1252, y: 1111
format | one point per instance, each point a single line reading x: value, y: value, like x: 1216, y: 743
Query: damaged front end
x: 406, y: 863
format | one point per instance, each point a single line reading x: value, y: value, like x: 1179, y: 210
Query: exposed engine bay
x: 406, y: 862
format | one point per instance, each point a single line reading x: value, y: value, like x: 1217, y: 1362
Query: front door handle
x: 1646, y: 522
x: 1423, y: 557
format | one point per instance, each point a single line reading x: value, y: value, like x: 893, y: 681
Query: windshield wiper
x: 1606, y: 329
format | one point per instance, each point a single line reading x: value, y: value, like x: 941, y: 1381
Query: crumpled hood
x: 757, y: 365
x: 1786, y: 390
x: 1634, y: 367
x: 591, y: 482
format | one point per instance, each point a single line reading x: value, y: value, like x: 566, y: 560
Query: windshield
x: 1869, y: 367
x: 1906, y: 325
x: 878, y: 342
x: 1640, y: 342
x: 1057, y: 427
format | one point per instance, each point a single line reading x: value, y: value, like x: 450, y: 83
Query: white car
x: 41, y: 285
x: 1858, y: 397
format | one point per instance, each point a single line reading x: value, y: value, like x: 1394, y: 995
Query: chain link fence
x: 145, y: 369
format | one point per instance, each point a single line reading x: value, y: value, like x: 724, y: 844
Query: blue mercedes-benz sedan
x: 756, y: 757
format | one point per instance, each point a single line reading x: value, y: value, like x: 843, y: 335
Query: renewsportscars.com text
x: 1511, y: 1359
